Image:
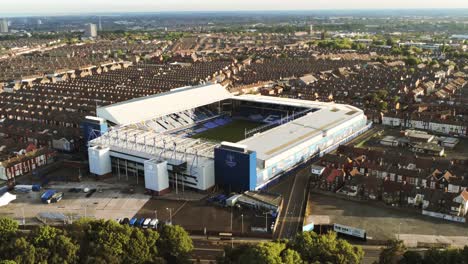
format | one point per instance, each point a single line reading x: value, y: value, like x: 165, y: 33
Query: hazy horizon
x: 60, y: 7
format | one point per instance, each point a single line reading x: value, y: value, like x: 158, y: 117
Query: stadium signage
x: 230, y: 161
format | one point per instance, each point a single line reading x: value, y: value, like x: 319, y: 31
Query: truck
x: 47, y: 196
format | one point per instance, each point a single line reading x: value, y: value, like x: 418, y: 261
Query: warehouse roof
x: 177, y: 100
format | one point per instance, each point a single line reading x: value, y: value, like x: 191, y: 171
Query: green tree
x: 7, y: 262
x: 8, y: 233
x: 138, y: 250
x: 390, y: 42
x: 23, y: 251
x: 382, y: 94
x: 8, y: 227
x: 54, y: 246
x: 101, y: 241
x: 326, y: 248
x: 290, y: 256
x: 175, y: 242
x: 264, y: 253
x: 392, y: 253
x: 412, y: 60
x: 411, y: 257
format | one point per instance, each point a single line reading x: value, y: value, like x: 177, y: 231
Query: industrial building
x: 155, y: 138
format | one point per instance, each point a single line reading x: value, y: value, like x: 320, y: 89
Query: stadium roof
x: 271, y: 144
x: 177, y: 100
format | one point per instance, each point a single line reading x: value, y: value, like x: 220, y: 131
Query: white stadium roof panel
x: 273, y: 142
x: 177, y: 100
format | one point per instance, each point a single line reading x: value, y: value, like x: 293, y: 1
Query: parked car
x: 133, y: 221
x: 140, y: 222
x: 125, y: 221
x: 91, y: 192
x: 56, y: 197
x: 154, y: 224
x: 146, y: 222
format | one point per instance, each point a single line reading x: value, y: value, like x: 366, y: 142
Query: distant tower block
x: 100, y: 24
x: 4, y: 26
x: 311, y: 30
x: 90, y: 31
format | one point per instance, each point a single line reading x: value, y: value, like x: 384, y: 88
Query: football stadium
x: 203, y: 136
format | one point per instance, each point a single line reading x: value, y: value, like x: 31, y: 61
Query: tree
x: 326, y: 248
x: 411, y: 257
x: 382, y: 94
x: 390, y: 42
x: 393, y: 253
x: 23, y: 252
x: 265, y: 253
x: 8, y: 227
x: 7, y: 262
x: 138, y: 250
x: 412, y: 60
x: 101, y: 241
x: 53, y: 246
x: 174, y: 241
x: 8, y: 231
x: 290, y: 256
x: 262, y: 253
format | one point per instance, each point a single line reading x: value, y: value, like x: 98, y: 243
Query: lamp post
x: 266, y: 221
x: 170, y: 215
x: 242, y: 222
x: 231, y: 219
x: 399, y: 230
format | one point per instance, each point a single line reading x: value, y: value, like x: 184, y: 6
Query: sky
x: 93, y: 6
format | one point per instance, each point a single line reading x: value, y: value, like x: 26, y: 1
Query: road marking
x: 178, y: 209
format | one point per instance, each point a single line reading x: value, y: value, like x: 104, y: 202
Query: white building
x: 91, y: 31
x: 4, y: 26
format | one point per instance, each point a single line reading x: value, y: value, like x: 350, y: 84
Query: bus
x: 350, y: 231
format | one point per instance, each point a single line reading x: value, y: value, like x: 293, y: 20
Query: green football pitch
x: 232, y: 132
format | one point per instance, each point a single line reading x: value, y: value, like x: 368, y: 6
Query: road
x: 292, y: 213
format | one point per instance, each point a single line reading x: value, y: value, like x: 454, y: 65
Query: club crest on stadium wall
x: 230, y: 161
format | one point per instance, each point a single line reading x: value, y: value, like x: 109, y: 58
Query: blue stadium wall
x: 91, y: 130
x: 235, y: 171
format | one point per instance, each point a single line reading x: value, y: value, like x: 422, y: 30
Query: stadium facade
x: 157, y: 138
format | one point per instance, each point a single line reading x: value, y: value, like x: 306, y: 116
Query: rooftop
x: 282, y: 138
x: 149, y: 107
